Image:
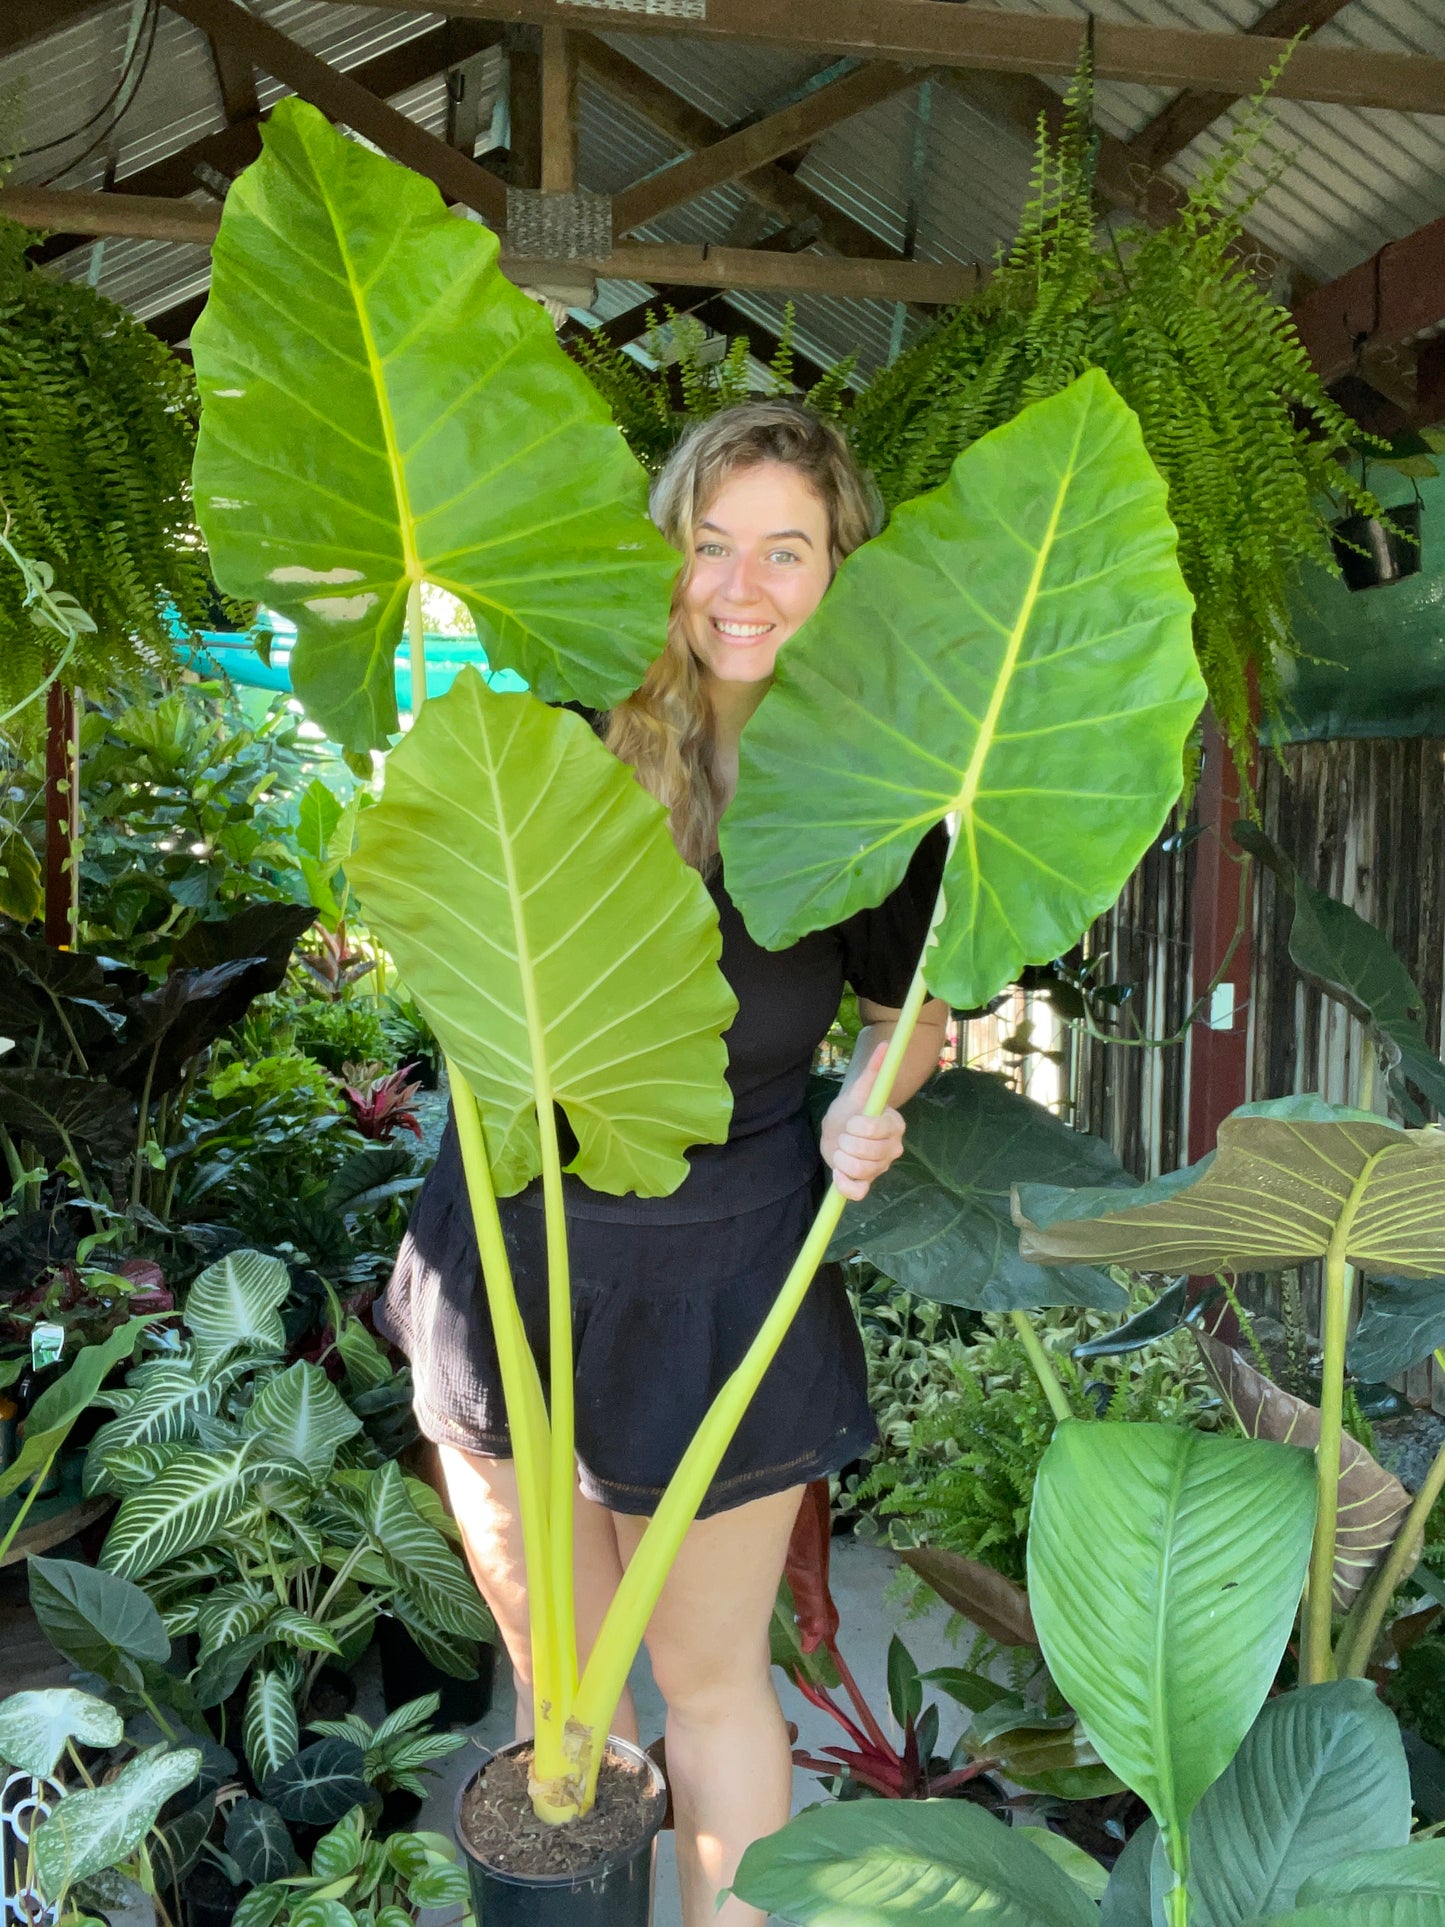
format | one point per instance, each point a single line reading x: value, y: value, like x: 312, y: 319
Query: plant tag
x: 47, y: 1342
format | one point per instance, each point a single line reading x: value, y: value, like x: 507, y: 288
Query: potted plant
x: 505, y: 817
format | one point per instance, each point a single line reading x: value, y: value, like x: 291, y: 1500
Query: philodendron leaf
x: 1165, y: 1568
x: 300, y: 1414
x: 1013, y: 651
x: 533, y: 898
x: 1372, y: 1502
x: 319, y: 1784
x: 938, y: 1220
x: 101, y: 1623
x: 405, y: 414
x: 259, y: 1841
x: 34, y: 1727
x: 187, y: 1506
x: 99, y: 1827
x: 863, y: 1863
x: 1320, y: 1775
x: 1269, y: 1198
x: 1403, y: 1322
x: 234, y: 1306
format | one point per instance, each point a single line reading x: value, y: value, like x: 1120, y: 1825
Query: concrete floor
x: 860, y: 1576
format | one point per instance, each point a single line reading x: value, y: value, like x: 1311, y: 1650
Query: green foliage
x: 1417, y: 1690
x: 357, y: 1880
x: 349, y: 1031
x: 97, y: 432
x: 1231, y: 410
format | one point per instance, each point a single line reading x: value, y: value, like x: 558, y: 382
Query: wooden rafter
x: 935, y: 33
x: 344, y: 99
x: 559, y: 110
x: 1186, y: 116
x: 141, y: 216
x: 794, y: 126
x: 1395, y: 295
x: 236, y: 79
x: 22, y: 21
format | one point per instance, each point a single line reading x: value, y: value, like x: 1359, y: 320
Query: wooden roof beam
x: 559, y: 111
x: 1395, y: 295
x: 344, y: 99
x: 933, y: 33
x: 25, y: 20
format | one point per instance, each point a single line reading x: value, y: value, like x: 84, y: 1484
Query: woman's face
x: 760, y: 563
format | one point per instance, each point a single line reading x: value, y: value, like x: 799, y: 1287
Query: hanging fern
x: 1231, y: 410
x: 97, y: 432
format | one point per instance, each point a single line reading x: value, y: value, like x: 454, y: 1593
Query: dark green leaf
x: 98, y: 1621
x: 1402, y: 1324
x: 259, y: 1842
x: 319, y: 1784
x: 905, y: 1688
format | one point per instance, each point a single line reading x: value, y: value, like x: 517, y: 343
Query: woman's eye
x: 710, y: 548
x: 783, y: 555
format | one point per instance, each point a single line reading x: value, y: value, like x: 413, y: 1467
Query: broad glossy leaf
x: 1372, y: 1501
x: 405, y: 413
x: 1397, y: 1887
x: 1270, y: 1198
x: 1321, y: 1775
x: 300, y: 1414
x: 231, y: 1612
x: 1403, y: 1323
x: 165, y: 1407
x: 319, y: 1784
x: 533, y: 899
x: 99, y: 1827
x: 1014, y: 651
x: 863, y: 1863
x: 1127, y: 1900
x: 259, y: 1842
x: 54, y: 1413
x: 34, y: 1727
x: 996, y: 1605
x: 234, y: 1305
x: 188, y: 1505
x: 61, y: 1115
x: 101, y: 1622
x: 1082, y: 1868
x: 421, y: 1561
x: 270, y: 1731
x: 938, y: 1220
x: 1165, y: 1568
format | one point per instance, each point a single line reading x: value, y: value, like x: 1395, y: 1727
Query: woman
x: 764, y: 501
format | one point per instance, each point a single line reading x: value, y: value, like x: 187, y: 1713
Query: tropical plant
x: 356, y: 1880
x: 381, y: 1106
x: 1058, y: 525
x: 398, y: 1751
x: 340, y: 1031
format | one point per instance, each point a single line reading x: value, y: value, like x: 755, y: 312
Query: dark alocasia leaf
x: 104, y: 1624
x: 938, y: 1220
x: 266, y: 932
x: 969, y: 662
x: 61, y: 1114
x: 187, y: 1013
x: 864, y: 1863
x: 1282, y: 1178
x: 259, y: 1842
x: 996, y: 1605
x: 406, y: 414
x: 603, y: 988
x: 1165, y: 1569
x: 1319, y: 1776
x: 319, y: 1784
x: 1403, y: 1323
x: 1352, y: 962
x: 1372, y: 1501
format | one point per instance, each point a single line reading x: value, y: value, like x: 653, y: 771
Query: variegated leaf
x: 162, y: 1404
x: 99, y: 1827
x: 129, y: 1468
x: 300, y: 1414
x: 1373, y: 1503
x: 271, y: 1733
x: 421, y: 1561
x: 187, y: 1506
x: 296, y: 1629
x: 231, y: 1612
x: 234, y: 1305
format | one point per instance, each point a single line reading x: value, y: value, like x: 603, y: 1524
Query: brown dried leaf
x: 997, y: 1606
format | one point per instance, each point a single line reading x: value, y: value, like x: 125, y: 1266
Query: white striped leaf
x: 162, y: 1405
x: 187, y: 1506
x: 101, y: 1827
x: 421, y: 1561
x: 231, y: 1612
x: 533, y: 898
x: 234, y: 1305
x: 127, y: 1468
x: 298, y: 1629
x: 300, y: 1414
x: 270, y: 1732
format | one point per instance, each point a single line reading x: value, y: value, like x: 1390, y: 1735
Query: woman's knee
x: 711, y: 1687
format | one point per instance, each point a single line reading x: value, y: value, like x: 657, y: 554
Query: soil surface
x: 500, y: 1827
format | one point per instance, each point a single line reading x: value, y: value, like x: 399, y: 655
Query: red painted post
x: 1218, y: 1037
x: 62, y: 817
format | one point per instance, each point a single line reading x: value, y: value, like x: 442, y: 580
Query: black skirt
x: 662, y: 1313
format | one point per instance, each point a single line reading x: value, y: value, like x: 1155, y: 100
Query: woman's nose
x: 742, y: 581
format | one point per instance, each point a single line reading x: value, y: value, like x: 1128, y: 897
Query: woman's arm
x: 856, y: 1148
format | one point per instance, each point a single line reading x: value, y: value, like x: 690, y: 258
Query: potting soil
x: 501, y: 1828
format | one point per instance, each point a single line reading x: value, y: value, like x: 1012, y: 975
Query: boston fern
x: 1232, y: 412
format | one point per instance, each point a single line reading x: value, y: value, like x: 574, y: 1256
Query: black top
x: 787, y: 1000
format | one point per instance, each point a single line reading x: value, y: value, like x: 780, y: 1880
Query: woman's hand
x: 859, y: 1149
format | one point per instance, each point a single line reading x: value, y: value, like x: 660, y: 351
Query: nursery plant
x: 527, y: 888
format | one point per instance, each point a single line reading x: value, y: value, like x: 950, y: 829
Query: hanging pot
x: 615, y: 1890
x: 1372, y: 553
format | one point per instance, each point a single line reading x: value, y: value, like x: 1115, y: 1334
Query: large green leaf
x: 421, y: 1561
x: 381, y: 407
x: 259, y: 1841
x: 1165, y: 1568
x: 938, y: 1220
x: 1320, y: 1775
x: 534, y: 901
x: 1270, y: 1197
x: 270, y: 1732
x: 100, y: 1622
x: 161, y: 1408
x: 234, y: 1306
x: 34, y: 1727
x: 1403, y: 1322
x: 300, y: 1414
x: 55, y: 1412
x: 1398, y: 1887
x: 1013, y: 651
x: 100, y: 1827
x: 187, y: 1506
x: 1372, y: 1501
x: 864, y: 1863
x: 319, y: 1784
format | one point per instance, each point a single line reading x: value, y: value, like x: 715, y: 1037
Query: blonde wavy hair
x: 665, y: 730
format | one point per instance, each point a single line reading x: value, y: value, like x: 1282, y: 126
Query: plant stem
x: 158, y: 1716
x: 141, y: 1130
x: 1357, y: 1640
x: 1043, y: 1365
x: 1317, y: 1663
x: 25, y: 1504
x: 416, y: 653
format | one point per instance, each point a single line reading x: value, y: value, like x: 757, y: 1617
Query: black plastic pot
x: 407, y: 1673
x: 615, y: 1892
x: 1372, y: 553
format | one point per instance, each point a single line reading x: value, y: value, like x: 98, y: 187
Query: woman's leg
x: 483, y: 1495
x: 728, y: 1758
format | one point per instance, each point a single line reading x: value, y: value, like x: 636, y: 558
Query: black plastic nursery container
x: 613, y: 1892
x: 407, y: 1673
x: 1372, y: 553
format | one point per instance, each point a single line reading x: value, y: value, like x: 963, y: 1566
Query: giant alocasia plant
x: 1012, y: 655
